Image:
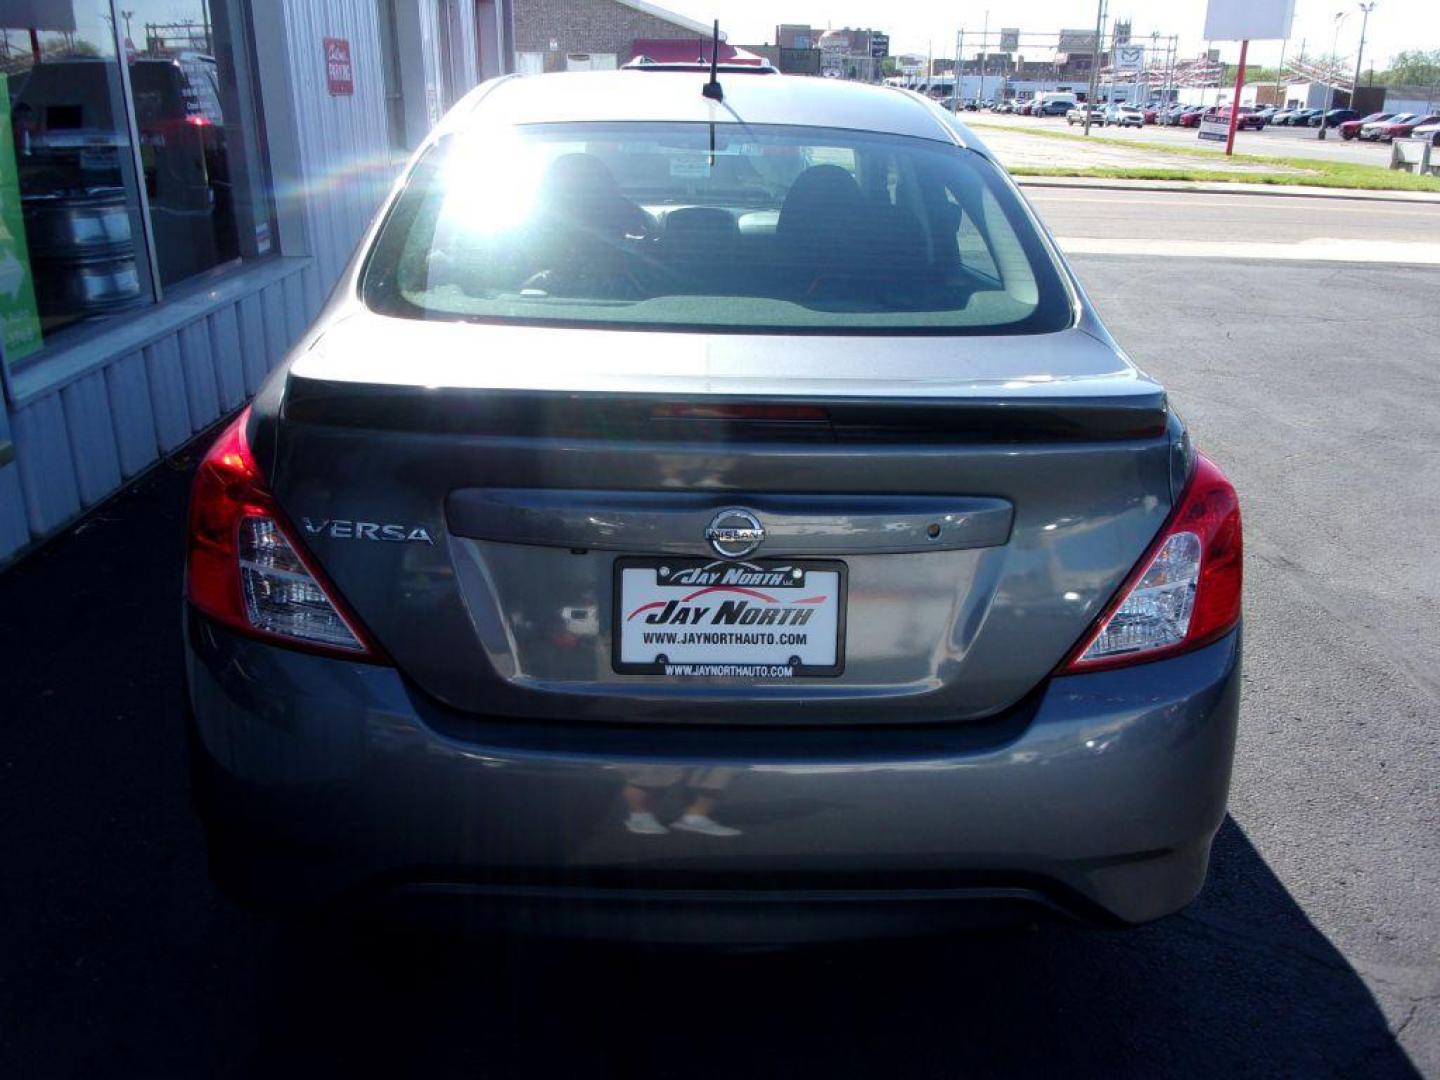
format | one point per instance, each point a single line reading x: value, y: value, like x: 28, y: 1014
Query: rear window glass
x: 723, y: 227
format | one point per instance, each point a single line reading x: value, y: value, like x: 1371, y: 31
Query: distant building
x: 795, y: 36
x: 789, y: 61
x: 847, y: 53
x: 570, y: 35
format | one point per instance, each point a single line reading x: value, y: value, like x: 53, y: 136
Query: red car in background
x: 1152, y: 114
x: 1191, y: 116
x: 1403, y: 128
x: 1248, y: 117
x: 1350, y: 129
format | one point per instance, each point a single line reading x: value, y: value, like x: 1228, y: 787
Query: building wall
x: 586, y: 26
x: 84, y: 420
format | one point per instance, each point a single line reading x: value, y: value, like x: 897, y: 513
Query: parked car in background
x: 1375, y: 130
x: 1248, y: 119
x: 1266, y: 113
x: 1335, y: 117
x: 1400, y: 129
x: 1055, y: 104
x: 1150, y: 113
x: 1190, y: 116
x: 740, y: 610
x: 1282, y: 117
x: 1077, y: 115
x: 1350, y: 129
x: 1428, y: 131
x: 1124, y: 116
x: 1170, y: 115
x: 1302, y: 117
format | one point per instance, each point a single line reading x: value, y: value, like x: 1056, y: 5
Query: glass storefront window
x: 108, y: 223
x: 78, y: 251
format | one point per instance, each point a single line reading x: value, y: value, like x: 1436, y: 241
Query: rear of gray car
x: 711, y: 520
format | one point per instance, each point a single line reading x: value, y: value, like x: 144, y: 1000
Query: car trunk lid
x: 962, y: 508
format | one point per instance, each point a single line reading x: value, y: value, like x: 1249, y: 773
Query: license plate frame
x: 750, y: 665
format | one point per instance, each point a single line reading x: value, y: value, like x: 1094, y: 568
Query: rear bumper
x: 323, y: 781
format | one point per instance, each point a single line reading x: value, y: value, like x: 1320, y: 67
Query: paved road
x: 1247, y: 217
x: 1274, y: 141
x: 1315, y: 940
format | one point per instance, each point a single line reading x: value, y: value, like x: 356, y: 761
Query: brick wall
x: 586, y: 26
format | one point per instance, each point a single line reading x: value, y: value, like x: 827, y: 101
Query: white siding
x: 344, y: 142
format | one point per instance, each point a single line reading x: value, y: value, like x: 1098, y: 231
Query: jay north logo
x: 718, y: 573
x: 730, y: 594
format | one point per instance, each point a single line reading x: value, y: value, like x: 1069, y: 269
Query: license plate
x: 696, y: 618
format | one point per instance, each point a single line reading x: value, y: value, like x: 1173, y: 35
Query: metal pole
x: 959, y: 53
x: 1278, y: 103
x: 1365, y: 10
x: 984, y: 45
x: 1094, y: 62
x: 1340, y: 17
x: 1235, y: 99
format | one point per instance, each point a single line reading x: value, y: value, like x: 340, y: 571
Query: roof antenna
x: 712, y: 89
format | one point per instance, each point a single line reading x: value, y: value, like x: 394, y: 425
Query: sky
x: 914, y: 24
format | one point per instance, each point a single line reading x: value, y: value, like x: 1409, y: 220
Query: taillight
x: 245, y: 571
x: 1185, y: 592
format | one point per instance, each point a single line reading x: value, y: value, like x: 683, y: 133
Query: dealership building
x: 181, y: 183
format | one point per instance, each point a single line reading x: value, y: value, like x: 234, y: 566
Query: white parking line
x: 1317, y: 249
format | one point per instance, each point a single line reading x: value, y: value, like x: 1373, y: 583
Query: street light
x: 1365, y: 10
x: 1340, y: 17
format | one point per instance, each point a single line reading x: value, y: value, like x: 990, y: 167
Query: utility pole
x: 984, y: 44
x: 959, y: 55
x: 1279, y: 102
x: 1340, y: 17
x: 1094, y: 61
x: 1365, y: 10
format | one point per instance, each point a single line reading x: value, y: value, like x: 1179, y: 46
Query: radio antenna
x: 712, y: 89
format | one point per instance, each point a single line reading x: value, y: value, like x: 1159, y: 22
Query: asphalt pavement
x: 1315, y: 944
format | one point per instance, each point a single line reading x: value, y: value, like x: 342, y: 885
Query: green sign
x: 19, y: 319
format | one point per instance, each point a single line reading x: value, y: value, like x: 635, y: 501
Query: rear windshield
x: 723, y: 227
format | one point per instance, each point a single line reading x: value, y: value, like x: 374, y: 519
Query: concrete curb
x: 1288, y: 191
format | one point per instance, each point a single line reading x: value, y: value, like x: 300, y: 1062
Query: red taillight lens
x: 245, y: 571
x: 1185, y: 592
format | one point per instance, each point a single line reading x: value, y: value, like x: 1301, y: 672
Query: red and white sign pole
x: 1235, y: 100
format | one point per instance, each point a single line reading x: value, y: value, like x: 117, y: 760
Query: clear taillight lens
x: 280, y: 595
x: 244, y: 571
x: 1157, y: 611
x: 1185, y: 592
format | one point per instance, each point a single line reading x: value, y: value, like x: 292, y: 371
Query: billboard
x: 1076, y: 41
x: 1010, y: 39
x: 1253, y: 20
x: 879, y: 46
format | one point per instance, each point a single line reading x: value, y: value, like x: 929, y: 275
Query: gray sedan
x: 710, y: 509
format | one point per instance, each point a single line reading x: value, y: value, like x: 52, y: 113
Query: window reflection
x: 69, y: 159
x: 77, y: 195
x: 183, y: 147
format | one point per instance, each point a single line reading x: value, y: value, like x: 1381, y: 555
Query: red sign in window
x: 338, y: 72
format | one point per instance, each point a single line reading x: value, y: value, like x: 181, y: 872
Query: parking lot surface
x: 1314, y: 947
